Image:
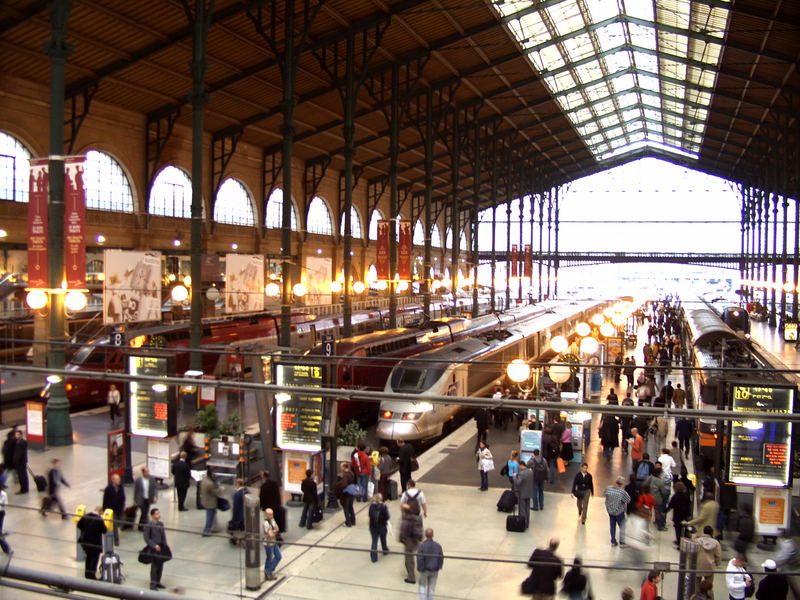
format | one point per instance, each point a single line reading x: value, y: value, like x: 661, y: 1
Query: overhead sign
x: 298, y: 420
x: 328, y: 344
x: 528, y: 262
x: 152, y: 407
x: 382, y: 250
x: 37, y: 224
x: 115, y: 441
x: 759, y: 452
x: 74, y: 223
x: 514, y: 259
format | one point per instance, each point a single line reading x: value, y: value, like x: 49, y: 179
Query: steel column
x: 774, y: 275
x: 555, y: 265
x: 549, y: 234
x: 541, y: 230
x: 349, y: 132
x: 494, y: 233
x: 454, y: 207
x: 473, y: 239
x: 59, y: 426
x: 508, y: 246
x: 521, y: 252
x: 394, y: 156
x: 428, y: 199
x: 796, y: 259
x: 784, y: 266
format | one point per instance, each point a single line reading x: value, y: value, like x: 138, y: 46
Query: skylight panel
x: 566, y: 17
x: 673, y: 68
x: 590, y: 71
x: 609, y: 121
x: 653, y: 114
x: 619, y: 61
x: 627, y: 99
x: 600, y: 10
x: 645, y: 62
x: 640, y: 9
x: 551, y: 58
x: 578, y: 47
x: 642, y: 36
x: 631, y: 113
x: 648, y: 82
x: 651, y: 100
x: 595, y: 92
x: 610, y: 36
x: 624, y: 83
x: 534, y: 31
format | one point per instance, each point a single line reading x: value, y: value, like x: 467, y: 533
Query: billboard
x: 74, y: 223
x: 153, y: 409
x: 244, y: 283
x: 37, y: 224
x: 382, y: 250
x: 759, y: 451
x: 132, y: 286
x: 404, y: 250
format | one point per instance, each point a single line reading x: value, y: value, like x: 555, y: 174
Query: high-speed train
x: 467, y: 368
x: 733, y: 315
x: 715, y: 345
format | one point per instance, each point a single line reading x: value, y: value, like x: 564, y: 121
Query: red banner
x: 514, y: 259
x: 404, y: 250
x: 116, y: 453
x: 528, y: 262
x: 382, y: 250
x: 37, y: 224
x: 74, y: 224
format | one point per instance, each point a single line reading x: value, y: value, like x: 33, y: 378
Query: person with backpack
x: 410, y: 536
x: 541, y: 471
x: 378, y: 526
x: 412, y: 493
x: 659, y: 487
x: 644, y: 469
x: 551, y: 447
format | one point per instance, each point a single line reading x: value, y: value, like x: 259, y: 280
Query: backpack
x: 539, y: 470
x: 642, y: 471
x: 377, y: 515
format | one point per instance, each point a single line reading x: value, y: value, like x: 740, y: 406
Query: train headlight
x: 69, y: 387
x: 411, y: 416
x: 387, y: 414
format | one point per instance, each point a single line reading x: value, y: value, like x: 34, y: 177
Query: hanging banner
x: 132, y: 286
x: 514, y: 260
x: 37, y: 224
x: 404, y: 250
x: 244, y: 283
x: 382, y: 250
x: 528, y: 262
x: 74, y: 223
x: 115, y: 442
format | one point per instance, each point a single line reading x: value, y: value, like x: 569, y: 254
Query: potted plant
x: 347, y: 437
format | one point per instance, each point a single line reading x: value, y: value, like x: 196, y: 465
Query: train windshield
x: 415, y: 379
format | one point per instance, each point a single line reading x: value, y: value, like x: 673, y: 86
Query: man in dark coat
x: 155, y: 536
x: 310, y: 497
x: 182, y: 475
x: 547, y: 568
x: 609, y: 434
x: 92, y: 529
x: 20, y: 461
x: 774, y: 586
x: 114, y: 498
x: 8, y: 449
x: 482, y: 424
x: 270, y: 497
x: 55, y: 479
x: 404, y: 455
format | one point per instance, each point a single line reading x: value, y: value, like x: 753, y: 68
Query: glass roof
x: 627, y: 73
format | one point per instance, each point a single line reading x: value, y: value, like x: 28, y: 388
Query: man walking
x: 412, y: 493
x: 404, y: 455
x: 113, y: 399
x: 430, y: 559
x: 114, y: 498
x: 616, y: 504
x: 144, y: 494
x: 182, y: 476
x: 20, y: 461
x: 346, y: 478
x: 54, y: 481
x: 678, y: 396
x: 637, y: 448
x: 210, y: 492
x: 583, y: 489
x: 524, y: 485
x: 547, y: 568
x: 684, y: 429
x: 362, y: 467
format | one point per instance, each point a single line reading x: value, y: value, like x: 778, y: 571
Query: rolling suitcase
x: 507, y: 502
x: 40, y: 481
x: 128, y: 517
x: 111, y: 568
x: 393, y: 495
x: 516, y: 522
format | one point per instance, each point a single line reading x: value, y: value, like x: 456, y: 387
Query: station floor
x: 483, y: 560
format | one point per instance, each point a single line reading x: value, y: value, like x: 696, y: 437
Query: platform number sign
x: 117, y: 338
x: 328, y: 345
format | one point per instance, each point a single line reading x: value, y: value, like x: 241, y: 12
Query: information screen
x: 152, y: 411
x: 299, y: 419
x: 759, y: 452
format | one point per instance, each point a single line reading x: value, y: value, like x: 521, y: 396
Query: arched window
x: 448, y: 238
x: 319, y: 217
x: 14, y: 169
x: 171, y: 194
x: 274, y: 216
x: 419, y: 234
x: 234, y: 205
x: 373, y: 224
x: 106, y: 184
x: 462, y: 240
x: 372, y: 274
x: 436, y: 237
x: 355, y: 224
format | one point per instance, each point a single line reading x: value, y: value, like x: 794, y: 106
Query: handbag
x: 750, y: 589
x: 504, y: 470
x: 354, y: 490
x: 316, y: 514
x: 562, y: 468
x: 223, y: 504
x: 145, y: 556
x: 413, y: 465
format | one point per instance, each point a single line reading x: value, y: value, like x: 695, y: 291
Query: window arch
x: 355, y: 224
x: 319, y: 217
x: 462, y: 240
x: 14, y: 169
x: 436, y: 237
x: 448, y: 238
x: 373, y: 224
x: 234, y: 204
x: 106, y: 184
x: 419, y: 234
x: 171, y: 194
x: 274, y: 214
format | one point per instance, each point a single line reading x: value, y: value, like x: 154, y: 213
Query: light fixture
x: 583, y: 329
x: 359, y: 287
x: 299, y: 290
x: 435, y: 284
x: 335, y: 287
x: 234, y: 246
x: 589, y: 345
x: 100, y: 239
x: 560, y: 373
x: 272, y: 289
x: 282, y: 397
x: 319, y: 250
x: 187, y: 281
x: 607, y: 330
x: 382, y: 284
x: 75, y: 300
x: 518, y: 370
x: 53, y: 379
x: 618, y: 320
x: 559, y: 344
x: 36, y: 299
x: 172, y: 277
x: 212, y: 294
x: 402, y: 286
x: 352, y: 253
x: 159, y: 388
x: 176, y: 242
x: 598, y: 319
x: 179, y: 293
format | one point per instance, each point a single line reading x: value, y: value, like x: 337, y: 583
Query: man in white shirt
x: 413, y: 493
x: 667, y: 464
x: 737, y: 579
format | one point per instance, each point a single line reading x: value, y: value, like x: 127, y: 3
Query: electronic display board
x: 152, y: 411
x: 298, y: 419
x: 759, y: 451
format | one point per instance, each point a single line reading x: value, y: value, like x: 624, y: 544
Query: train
x: 103, y: 354
x: 461, y: 369
x: 365, y: 361
x: 714, y: 346
x: 730, y: 313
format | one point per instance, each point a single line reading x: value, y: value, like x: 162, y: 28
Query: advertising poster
x: 530, y: 440
x: 790, y: 331
x: 404, y: 250
x: 772, y: 509
x: 514, y: 260
x: 244, y: 283
x: 317, y: 277
x: 132, y: 287
x: 528, y: 262
x: 294, y: 469
x: 152, y: 407
x: 34, y: 422
x: 158, y: 458
x: 298, y: 420
x: 74, y: 223
x: 759, y: 451
x: 382, y: 250
x: 37, y: 224
x: 116, y: 453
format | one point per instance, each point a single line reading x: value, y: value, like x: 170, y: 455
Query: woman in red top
x: 650, y: 587
x: 647, y: 502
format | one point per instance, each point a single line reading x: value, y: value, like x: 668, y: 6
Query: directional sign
x: 328, y: 344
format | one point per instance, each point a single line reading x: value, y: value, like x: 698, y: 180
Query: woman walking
x: 411, y: 536
x: 485, y: 464
x: 378, y: 524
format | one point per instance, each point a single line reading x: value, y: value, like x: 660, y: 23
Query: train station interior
x: 207, y: 203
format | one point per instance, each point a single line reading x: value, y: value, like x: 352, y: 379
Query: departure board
x: 759, y: 451
x: 298, y: 420
x: 152, y: 411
